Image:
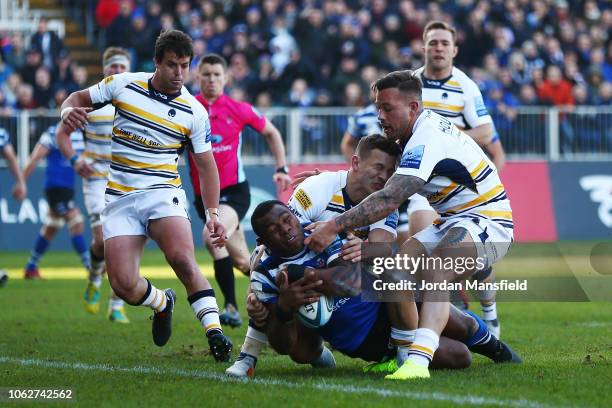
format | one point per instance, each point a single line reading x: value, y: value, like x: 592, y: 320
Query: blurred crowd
x: 326, y: 52
x: 40, y: 75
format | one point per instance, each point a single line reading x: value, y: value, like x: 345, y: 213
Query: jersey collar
x: 159, y: 95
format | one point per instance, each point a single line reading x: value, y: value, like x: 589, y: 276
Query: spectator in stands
x: 25, y: 97
x: 119, y: 32
x: 33, y: 62
x: 153, y: 16
x: 15, y: 55
x: 142, y: 37
x: 48, y: 42
x: 106, y: 12
x: 43, y: 93
x: 555, y: 90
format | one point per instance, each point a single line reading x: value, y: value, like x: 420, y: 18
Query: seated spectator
x: 25, y: 97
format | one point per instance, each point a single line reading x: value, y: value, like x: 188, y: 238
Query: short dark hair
x: 174, y: 41
x: 213, y: 59
x: 406, y: 81
x: 260, y: 212
x: 377, y: 141
x: 439, y: 25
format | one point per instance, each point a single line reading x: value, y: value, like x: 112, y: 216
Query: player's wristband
x: 282, y: 315
x: 74, y: 159
x: 283, y: 169
x: 212, y: 211
x: 64, y: 111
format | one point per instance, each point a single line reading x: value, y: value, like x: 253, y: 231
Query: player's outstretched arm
x: 374, y: 207
x: 209, y: 186
x: 273, y: 138
x: 19, y: 189
x: 74, y: 110
x: 38, y: 153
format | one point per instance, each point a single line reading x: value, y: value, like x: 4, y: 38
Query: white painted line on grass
x: 346, y: 389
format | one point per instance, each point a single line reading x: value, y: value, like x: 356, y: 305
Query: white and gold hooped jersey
x: 460, y: 180
x: 323, y: 197
x: 456, y: 98
x: 150, y: 129
x: 98, y: 134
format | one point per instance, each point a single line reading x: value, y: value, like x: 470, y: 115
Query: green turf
x: 567, y: 348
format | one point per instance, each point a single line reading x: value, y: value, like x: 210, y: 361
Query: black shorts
x: 375, y: 347
x: 60, y: 199
x: 237, y: 196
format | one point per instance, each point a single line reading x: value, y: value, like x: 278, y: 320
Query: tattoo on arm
x: 381, y: 203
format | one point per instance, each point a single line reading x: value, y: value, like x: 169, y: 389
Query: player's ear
x: 355, y: 162
x: 455, y: 51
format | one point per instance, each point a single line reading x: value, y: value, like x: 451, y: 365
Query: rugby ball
x: 316, y: 314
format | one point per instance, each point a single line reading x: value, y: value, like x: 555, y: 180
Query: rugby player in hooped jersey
x: 449, y: 92
x: 462, y: 185
x: 228, y: 118
x: 156, y: 118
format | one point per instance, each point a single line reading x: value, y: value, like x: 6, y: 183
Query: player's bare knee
x: 124, y: 287
x: 183, y: 264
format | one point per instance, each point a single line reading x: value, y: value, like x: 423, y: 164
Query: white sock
x: 156, y: 299
x: 402, y: 339
x: 254, y: 342
x: 207, y: 312
x: 95, y: 280
x: 489, y: 312
x: 425, y: 344
x: 116, y: 303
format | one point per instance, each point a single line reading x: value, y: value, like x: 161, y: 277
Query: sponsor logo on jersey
x: 172, y: 113
x: 302, y: 198
x: 108, y: 79
x: 412, y: 158
x: 481, y: 109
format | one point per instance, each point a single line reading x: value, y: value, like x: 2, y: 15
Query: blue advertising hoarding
x: 21, y: 222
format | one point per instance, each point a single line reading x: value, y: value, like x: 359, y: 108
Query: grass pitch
x: 47, y: 340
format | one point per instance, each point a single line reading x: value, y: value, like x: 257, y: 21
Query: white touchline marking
x: 348, y: 389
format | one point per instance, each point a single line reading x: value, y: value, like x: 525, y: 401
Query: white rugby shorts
x: 130, y: 214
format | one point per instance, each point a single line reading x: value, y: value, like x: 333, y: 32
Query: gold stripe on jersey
x: 496, y: 214
x: 94, y: 118
x: 478, y: 168
x: 478, y: 200
x: 97, y: 156
x: 97, y: 174
x: 337, y: 199
x: 445, y: 106
x: 441, y: 195
x: 140, y: 165
x: 96, y: 136
x: 165, y: 123
x: 119, y: 187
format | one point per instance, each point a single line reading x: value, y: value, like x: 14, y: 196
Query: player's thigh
x: 307, y: 346
x: 421, y: 219
x: 173, y: 236
x: 122, y: 255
